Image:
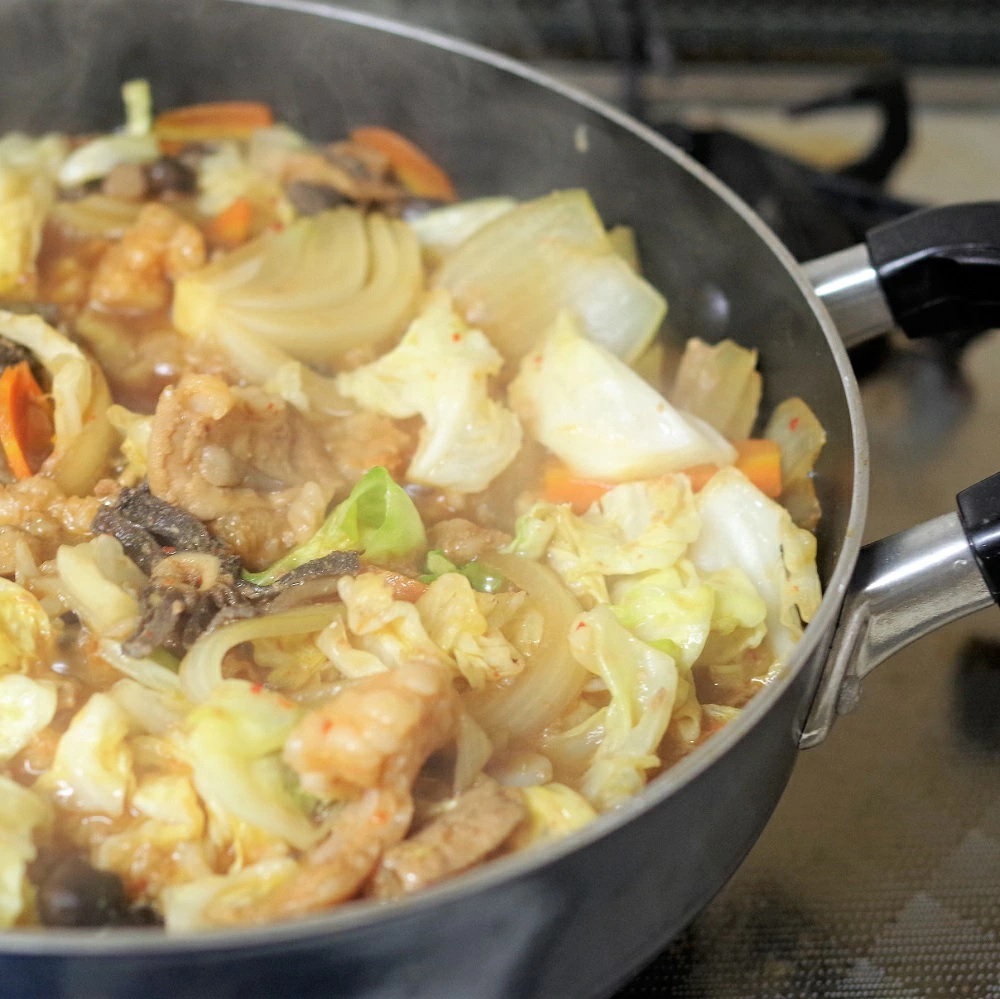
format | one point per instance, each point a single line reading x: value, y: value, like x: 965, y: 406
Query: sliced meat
x: 462, y: 541
x: 478, y: 823
x: 375, y: 734
x: 247, y: 463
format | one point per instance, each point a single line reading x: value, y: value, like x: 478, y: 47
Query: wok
x: 577, y: 917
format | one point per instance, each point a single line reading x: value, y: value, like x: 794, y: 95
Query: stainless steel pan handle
x: 933, y: 272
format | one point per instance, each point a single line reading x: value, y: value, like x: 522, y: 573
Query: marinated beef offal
x: 352, y: 535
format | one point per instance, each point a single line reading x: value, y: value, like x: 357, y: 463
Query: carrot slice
x: 561, y: 485
x: 217, y: 120
x: 418, y: 173
x: 231, y: 226
x: 758, y: 460
x: 26, y: 426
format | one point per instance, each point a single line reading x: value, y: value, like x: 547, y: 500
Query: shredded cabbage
x: 378, y: 519
x: 456, y: 624
x: 601, y: 418
x: 439, y: 371
x: 633, y: 528
x: 226, y: 175
x: 135, y: 430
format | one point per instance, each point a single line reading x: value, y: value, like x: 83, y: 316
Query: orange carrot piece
x: 217, y: 120
x: 26, y: 426
x: 561, y: 485
x: 418, y: 173
x: 231, y: 226
x: 759, y: 460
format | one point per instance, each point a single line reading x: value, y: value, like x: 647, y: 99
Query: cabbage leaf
x: 642, y: 684
x: 634, y: 528
x: 601, y: 418
x: 439, y: 371
x: 741, y: 527
x: 513, y: 277
x: 456, y: 624
x: 554, y: 810
x: 233, y: 742
x: 378, y: 519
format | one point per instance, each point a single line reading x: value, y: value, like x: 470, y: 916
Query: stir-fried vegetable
x: 372, y: 541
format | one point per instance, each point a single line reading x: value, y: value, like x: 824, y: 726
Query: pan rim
x: 363, y: 914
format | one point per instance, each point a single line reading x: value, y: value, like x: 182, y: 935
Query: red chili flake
x: 456, y: 337
x: 169, y: 549
x: 326, y: 726
x: 794, y: 425
x: 581, y: 624
x: 257, y: 688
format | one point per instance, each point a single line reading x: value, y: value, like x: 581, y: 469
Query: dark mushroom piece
x: 74, y: 894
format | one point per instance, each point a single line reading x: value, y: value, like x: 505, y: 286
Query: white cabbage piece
x: 137, y: 96
x: 642, y: 684
x: 513, y: 276
x: 442, y: 229
x: 191, y: 906
x: 634, y: 528
x: 678, y: 609
x: 92, y: 767
x: 28, y: 170
x: 22, y: 815
x: 233, y: 743
x: 83, y: 436
x: 455, y: 622
x: 25, y: 630
x: 102, y: 584
x: 601, y: 418
x: 554, y: 810
x: 439, y: 371
x: 387, y: 629
x: 26, y: 707
x: 741, y: 527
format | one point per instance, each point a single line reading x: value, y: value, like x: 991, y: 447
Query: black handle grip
x: 979, y: 512
x: 940, y: 268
